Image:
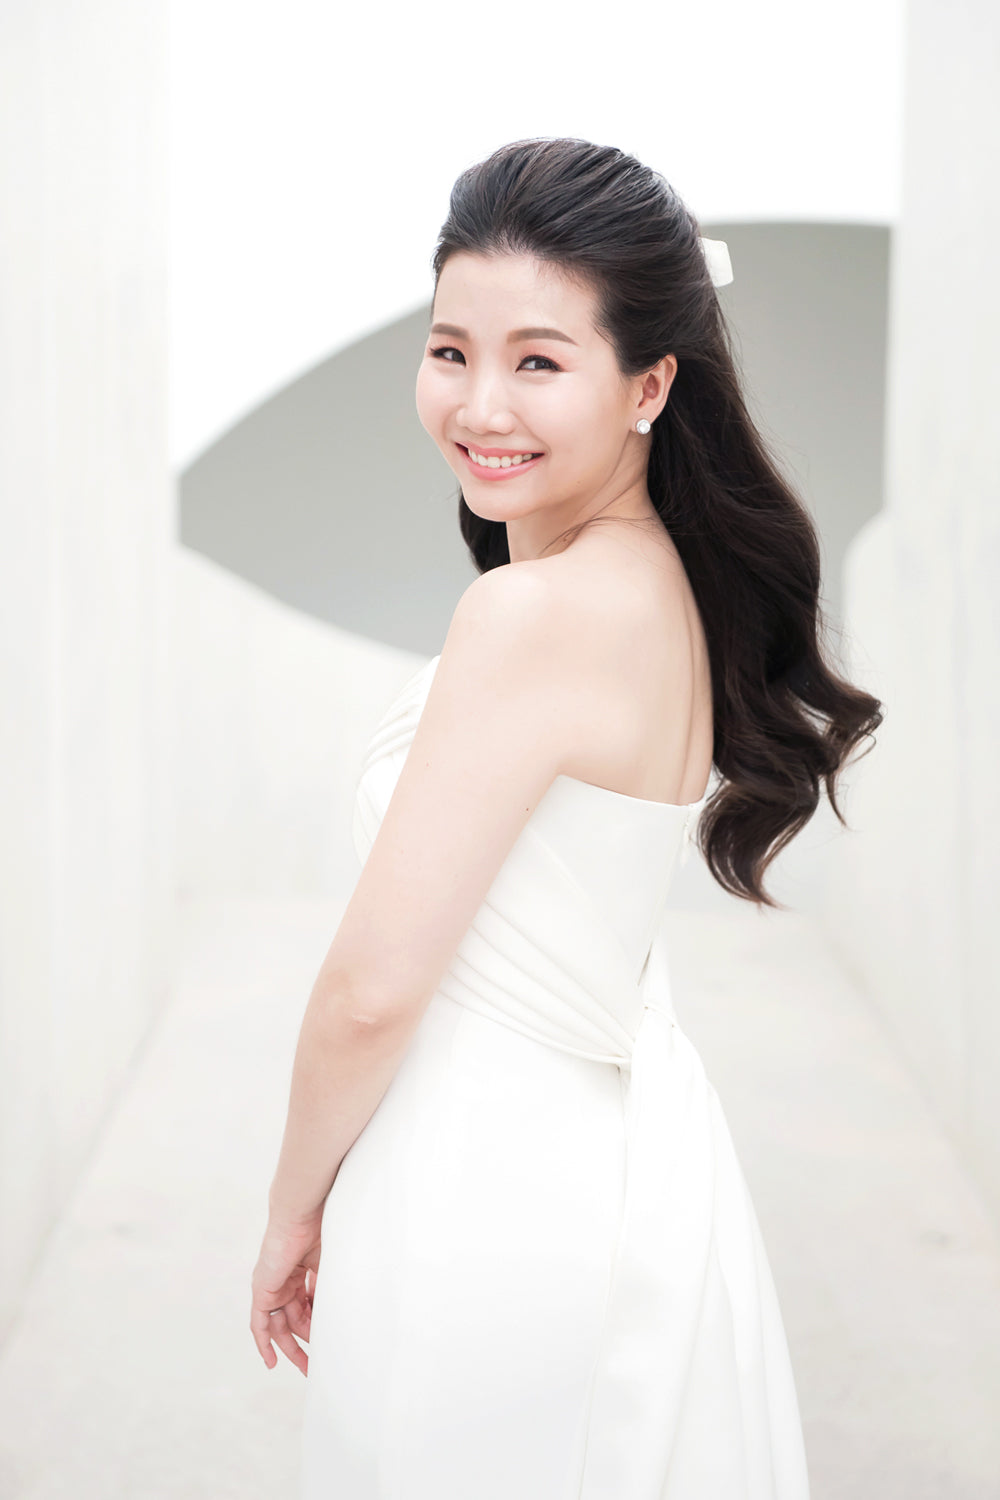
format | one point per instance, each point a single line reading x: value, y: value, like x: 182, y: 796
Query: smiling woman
x: 508, y: 1217
x: 527, y: 366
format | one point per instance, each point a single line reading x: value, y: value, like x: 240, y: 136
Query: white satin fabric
x: 542, y: 1277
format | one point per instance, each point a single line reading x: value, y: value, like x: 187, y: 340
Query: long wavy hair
x: 785, y: 718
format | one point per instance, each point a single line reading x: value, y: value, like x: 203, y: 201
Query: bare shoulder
x: 603, y: 649
x: 560, y: 613
x: 593, y: 661
x: 516, y: 655
x: 514, y: 598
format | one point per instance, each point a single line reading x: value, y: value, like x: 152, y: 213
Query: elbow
x: 364, y: 1010
x: 372, y: 1021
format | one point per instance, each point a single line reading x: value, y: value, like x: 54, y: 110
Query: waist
x: 590, y: 1031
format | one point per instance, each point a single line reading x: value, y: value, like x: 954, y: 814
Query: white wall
x: 273, y: 714
x: 314, y: 147
x: 914, y: 901
x: 88, y: 521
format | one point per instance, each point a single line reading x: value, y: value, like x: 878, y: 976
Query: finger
x: 299, y: 1315
x: 260, y: 1327
x: 285, y: 1340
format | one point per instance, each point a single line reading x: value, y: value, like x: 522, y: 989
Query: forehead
x: 513, y: 290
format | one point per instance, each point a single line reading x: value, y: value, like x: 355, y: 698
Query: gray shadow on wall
x: 808, y: 309
x: 332, y: 497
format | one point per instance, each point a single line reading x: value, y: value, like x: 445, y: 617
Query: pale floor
x: 131, y: 1374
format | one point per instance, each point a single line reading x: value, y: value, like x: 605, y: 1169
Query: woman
x: 542, y: 1276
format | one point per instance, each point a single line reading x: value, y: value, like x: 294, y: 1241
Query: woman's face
x: 523, y: 394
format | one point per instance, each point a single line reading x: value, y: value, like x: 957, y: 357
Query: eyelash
x: 450, y: 349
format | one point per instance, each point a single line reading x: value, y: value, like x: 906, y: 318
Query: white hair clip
x: 720, y: 267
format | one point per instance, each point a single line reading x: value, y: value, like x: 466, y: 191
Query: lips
x: 495, y: 452
x: 506, y: 462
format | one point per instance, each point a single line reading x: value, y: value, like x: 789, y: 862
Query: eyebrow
x: 520, y: 335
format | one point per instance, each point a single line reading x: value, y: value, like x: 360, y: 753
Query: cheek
x: 577, y: 417
x: 430, y: 399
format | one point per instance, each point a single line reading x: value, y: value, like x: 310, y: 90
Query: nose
x: 485, y: 410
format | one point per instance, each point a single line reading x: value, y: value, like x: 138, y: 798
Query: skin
x: 565, y: 400
x: 584, y: 657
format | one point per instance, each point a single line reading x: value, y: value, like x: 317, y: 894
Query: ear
x: 654, y: 387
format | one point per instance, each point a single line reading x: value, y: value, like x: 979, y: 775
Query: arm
x: 501, y: 711
x: 343, y: 1065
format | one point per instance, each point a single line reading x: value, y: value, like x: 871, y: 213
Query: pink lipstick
x: 509, y: 461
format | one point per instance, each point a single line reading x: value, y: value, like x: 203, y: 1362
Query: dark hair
x: 784, y: 719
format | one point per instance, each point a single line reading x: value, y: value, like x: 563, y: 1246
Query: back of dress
x: 542, y: 1274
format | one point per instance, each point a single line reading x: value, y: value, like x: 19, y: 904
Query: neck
x: 541, y: 533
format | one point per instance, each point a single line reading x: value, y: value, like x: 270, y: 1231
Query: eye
x: 445, y: 351
x: 548, y: 363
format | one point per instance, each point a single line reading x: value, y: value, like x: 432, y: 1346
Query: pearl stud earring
x: 642, y: 426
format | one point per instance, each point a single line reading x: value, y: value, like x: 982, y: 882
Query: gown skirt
x: 542, y: 1276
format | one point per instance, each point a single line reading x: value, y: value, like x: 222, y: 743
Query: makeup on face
x: 497, y: 463
x: 516, y: 375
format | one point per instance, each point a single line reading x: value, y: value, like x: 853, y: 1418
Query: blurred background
x: 228, y: 542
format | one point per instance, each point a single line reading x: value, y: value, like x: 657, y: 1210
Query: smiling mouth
x: 496, y: 460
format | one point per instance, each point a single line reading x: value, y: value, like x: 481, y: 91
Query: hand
x: 281, y: 1307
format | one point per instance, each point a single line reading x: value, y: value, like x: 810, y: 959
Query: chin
x: 481, y: 507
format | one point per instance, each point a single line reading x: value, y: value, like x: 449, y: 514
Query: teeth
x: 500, y: 463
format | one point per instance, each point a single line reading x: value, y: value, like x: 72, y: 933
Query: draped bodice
x: 562, y: 945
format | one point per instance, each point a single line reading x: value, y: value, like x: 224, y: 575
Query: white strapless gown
x: 542, y: 1277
